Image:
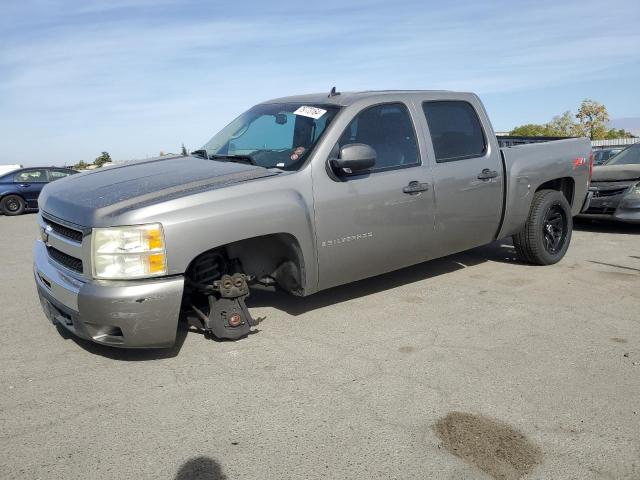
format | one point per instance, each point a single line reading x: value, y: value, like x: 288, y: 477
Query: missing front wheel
x: 217, y: 299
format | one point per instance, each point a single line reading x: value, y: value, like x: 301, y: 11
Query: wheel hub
x: 555, y: 229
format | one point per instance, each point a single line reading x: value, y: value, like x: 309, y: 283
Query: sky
x: 137, y: 77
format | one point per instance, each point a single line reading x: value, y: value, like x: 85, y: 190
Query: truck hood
x: 87, y: 199
x: 614, y: 173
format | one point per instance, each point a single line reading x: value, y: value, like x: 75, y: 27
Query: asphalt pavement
x: 472, y: 366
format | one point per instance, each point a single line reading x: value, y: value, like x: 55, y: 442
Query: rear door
x: 59, y: 173
x: 468, y: 175
x: 29, y: 184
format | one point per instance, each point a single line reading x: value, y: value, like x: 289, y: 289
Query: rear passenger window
x: 456, y: 132
x: 389, y: 131
x: 56, y: 174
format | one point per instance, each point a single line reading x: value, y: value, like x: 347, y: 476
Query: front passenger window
x: 389, y: 131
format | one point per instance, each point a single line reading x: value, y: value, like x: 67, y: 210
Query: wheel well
x: 277, y: 256
x: 564, y: 185
x: 15, y: 194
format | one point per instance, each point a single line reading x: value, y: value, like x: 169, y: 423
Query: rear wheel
x: 12, y: 205
x: 545, y: 238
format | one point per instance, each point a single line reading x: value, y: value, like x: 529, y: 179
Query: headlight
x: 128, y: 252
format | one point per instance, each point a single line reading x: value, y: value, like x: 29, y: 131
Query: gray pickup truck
x: 303, y: 194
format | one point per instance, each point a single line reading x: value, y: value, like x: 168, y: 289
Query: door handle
x: 415, y: 187
x: 25, y: 185
x: 487, y: 174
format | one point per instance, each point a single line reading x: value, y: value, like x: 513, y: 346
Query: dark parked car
x: 615, y: 188
x: 19, y: 190
x: 601, y: 157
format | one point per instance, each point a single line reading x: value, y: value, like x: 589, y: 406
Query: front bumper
x: 622, y: 206
x: 130, y: 314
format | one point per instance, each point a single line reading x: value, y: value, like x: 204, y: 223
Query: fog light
x: 235, y: 320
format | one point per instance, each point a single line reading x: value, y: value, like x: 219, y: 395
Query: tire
x: 12, y: 205
x: 546, y: 235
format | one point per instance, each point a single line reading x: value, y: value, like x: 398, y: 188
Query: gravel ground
x: 472, y: 366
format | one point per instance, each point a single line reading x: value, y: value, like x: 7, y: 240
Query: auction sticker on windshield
x: 311, y: 112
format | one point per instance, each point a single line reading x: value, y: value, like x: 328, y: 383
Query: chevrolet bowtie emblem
x: 44, y: 233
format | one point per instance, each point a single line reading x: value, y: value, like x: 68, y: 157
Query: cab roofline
x: 347, y: 98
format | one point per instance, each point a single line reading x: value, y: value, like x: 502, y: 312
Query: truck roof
x: 348, y: 98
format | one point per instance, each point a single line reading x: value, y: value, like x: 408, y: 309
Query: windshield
x: 280, y: 135
x: 626, y: 156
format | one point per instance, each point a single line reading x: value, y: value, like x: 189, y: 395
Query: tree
x: 563, y: 126
x: 183, y: 151
x: 529, y: 130
x: 620, y: 133
x: 81, y: 165
x: 102, y: 159
x: 559, y: 126
x: 592, y: 122
x: 593, y: 118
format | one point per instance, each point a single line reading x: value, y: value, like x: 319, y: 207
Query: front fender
x: 8, y: 191
x: 207, y: 220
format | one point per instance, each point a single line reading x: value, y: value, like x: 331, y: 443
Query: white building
x: 9, y: 168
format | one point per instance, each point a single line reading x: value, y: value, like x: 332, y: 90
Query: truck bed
x: 530, y: 165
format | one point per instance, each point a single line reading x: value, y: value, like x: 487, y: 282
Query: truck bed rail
x: 513, y: 140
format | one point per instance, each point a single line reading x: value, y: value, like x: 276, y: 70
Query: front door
x: 380, y: 221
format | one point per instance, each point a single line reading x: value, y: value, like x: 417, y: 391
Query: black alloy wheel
x: 546, y: 235
x: 554, y: 229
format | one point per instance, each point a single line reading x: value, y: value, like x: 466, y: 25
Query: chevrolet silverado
x: 300, y: 193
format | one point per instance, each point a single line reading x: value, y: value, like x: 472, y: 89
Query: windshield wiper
x: 248, y: 159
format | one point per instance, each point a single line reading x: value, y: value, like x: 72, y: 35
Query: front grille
x: 72, y: 263
x: 609, y: 193
x: 70, y: 233
x: 601, y: 210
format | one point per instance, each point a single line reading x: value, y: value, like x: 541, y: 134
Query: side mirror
x: 354, y: 158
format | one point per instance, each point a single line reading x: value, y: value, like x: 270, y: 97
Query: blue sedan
x: 19, y: 190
